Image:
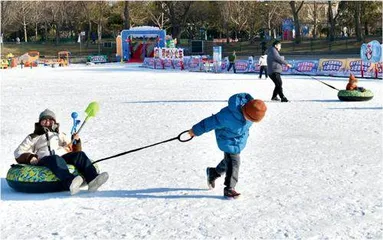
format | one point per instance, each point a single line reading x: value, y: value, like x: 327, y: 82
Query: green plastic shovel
x: 90, y: 111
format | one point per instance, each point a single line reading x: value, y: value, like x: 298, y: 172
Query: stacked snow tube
x: 355, y: 95
x: 35, y: 179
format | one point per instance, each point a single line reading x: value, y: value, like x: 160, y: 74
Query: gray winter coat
x: 274, y: 61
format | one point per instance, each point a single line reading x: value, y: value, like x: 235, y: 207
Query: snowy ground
x: 312, y: 169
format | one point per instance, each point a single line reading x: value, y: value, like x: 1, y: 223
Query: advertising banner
x: 148, y: 62
x: 241, y: 66
x: 195, y: 64
x: 354, y: 66
x: 333, y: 67
x: 309, y: 67
x: 98, y: 59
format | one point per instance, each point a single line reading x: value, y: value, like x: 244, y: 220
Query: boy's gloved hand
x: 191, y: 133
x: 34, y: 161
x: 75, y: 137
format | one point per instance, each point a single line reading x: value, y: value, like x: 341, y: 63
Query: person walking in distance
x: 232, y: 58
x: 263, y: 64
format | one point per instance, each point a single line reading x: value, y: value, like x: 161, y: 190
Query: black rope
x: 317, y: 79
x: 151, y: 145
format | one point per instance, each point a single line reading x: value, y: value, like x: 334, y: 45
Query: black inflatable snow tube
x: 35, y: 179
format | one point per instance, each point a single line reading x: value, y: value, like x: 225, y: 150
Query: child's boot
x: 98, y: 181
x: 74, y: 187
x: 212, y: 175
x: 230, y: 193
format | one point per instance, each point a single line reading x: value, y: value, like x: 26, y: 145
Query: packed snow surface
x: 312, y: 169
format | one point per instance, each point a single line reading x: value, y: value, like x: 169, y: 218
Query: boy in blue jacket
x: 231, y: 127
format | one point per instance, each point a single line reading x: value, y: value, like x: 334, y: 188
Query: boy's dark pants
x: 232, y: 65
x: 58, y: 165
x: 278, y: 90
x: 229, y: 165
x: 263, y: 68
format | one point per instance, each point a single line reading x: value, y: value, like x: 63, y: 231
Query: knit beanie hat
x: 276, y: 42
x: 254, y: 110
x: 47, y: 114
x: 352, y: 78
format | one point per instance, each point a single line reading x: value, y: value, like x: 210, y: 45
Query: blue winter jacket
x: 231, y: 127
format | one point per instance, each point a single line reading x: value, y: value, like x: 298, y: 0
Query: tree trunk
x: 25, y: 30
x: 126, y: 15
x: 358, y: 28
x: 99, y: 33
x: 366, y: 33
x: 315, y: 21
x: 227, y: 33
x: 89, y: 32
x: 45, y: 31
x: 57, y: 33
x: 331, y: 20
x: 296, y: 20
x: 36, y: 33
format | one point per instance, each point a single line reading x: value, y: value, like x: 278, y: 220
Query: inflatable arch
x: 140, y: 32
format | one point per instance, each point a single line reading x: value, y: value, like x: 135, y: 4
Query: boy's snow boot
x: 98, y: 181
x: 284, y: 100
x: 212, y: 175
x: 275, y: 99
x: 230, y: 193
x: 74, y: 187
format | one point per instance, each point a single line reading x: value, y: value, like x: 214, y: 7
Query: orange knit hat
x: 352, y: 78
x: 254, y: 110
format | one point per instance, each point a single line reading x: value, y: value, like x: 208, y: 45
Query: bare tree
x: 333, y: 13
x: 178, y: 13
x: 22, y: 16
x: 7, y: 19
x: 358, y: 20
x: 100, y: 12
x: 225, y: 10
x: 157, y: 15
x: 126, y: 15
x: 36, y: 16
x: 295, y: 12
x: 239, y: 16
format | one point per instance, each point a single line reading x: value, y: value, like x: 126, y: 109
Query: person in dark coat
x: 232, y: 58
x: 274, y: 69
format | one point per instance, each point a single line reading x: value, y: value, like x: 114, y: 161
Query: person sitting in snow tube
x: 352, y: 84
x: 353, y: 92
x: 47, y: 148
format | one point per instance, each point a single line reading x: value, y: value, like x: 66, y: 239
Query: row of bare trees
x: 53, y: 20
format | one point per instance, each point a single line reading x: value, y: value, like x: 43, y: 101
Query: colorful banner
x: 322, y: 67
x: 379, y: 70
x: 371, y: 52
x: 354, y: 66
x: 98, y: 59
x: 305, y: 66
x: 333, y: 67
x: 241, y: 66
x: 195, y: 64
